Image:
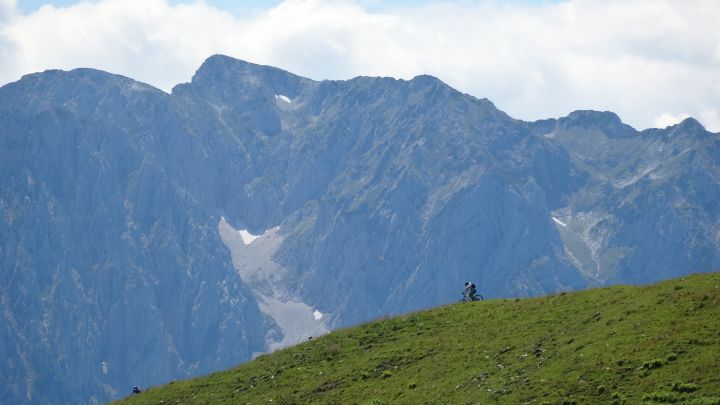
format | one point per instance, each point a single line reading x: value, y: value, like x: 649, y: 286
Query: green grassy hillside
x: 654, y: 344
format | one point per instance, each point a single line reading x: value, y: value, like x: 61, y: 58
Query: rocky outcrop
x: 112, y: 274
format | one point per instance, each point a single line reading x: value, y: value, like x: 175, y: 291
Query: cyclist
x: 470, y: 291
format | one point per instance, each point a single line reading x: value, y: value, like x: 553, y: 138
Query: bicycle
x: 466, y: 297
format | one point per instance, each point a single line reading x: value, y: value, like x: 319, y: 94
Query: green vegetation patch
x: 618, y: 345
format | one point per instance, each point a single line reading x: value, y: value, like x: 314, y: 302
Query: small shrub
x: 412, y: 385
x: 386, y: 374
x: 662, y: 397
x: 671, y: 357
x: 617, y: 398
x: 601, y: 389
x: 680, y: 387
x: 652, y: 364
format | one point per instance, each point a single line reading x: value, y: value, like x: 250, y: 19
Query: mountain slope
x: 108, y: 262
x: 649, y: 204
x: 148, y: 236
x: 621, y: 344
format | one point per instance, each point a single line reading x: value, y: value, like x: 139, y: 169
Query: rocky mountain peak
x: 689, y: 126
x: 605, y: 121
x: 81, y: 90
x: 427, y: 80
x: 224, y: 75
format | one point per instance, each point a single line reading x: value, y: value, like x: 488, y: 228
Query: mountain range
x: 148, y: 236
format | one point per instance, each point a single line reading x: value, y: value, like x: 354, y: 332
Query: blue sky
x: 654, y: 62
x: 28, y: 6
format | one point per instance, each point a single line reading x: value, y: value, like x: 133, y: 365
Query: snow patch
x: 104, y: 367
x: 271, y: 283
x: 247, y: 237
x: 559, y: 222
x: 295, y: 318
x: 283, y: 98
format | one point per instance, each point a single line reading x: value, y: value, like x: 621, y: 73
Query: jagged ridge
x: 387, y: 195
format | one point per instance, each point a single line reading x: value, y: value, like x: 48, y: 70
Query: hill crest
x: 651, y: 344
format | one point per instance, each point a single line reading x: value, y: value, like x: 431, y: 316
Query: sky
x: 653, y: 62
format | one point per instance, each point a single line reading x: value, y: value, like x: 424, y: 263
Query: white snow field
x: 269, y: 282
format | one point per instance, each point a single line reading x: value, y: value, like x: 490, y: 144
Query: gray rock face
x: 375, y: 196
x: 648, y: 207
x: 112, y: 275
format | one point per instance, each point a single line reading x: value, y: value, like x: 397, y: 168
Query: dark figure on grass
x: 470, y: 291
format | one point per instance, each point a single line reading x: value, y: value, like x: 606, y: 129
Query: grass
x: 618, y: 345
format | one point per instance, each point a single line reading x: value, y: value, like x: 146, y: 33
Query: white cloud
x: 647, y: 60
x: 8, y: 9
x: 665, y: 120
x: 145, y: 39
x: 711, y: 119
